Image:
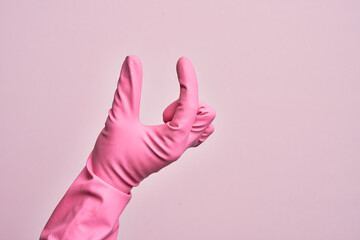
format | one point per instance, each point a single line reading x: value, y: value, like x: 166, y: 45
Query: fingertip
x: 210, y: 130
x: 132, y: 58
x: 207, y: 111
x: 183, y: 63
x: 134, y: 62
x: 182, y: 59
x: 205, y: 135
x: 212, y: 114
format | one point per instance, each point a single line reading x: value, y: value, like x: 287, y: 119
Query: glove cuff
x: 90, y: 209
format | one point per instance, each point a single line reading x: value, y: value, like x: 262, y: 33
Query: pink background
x: 283, y: 77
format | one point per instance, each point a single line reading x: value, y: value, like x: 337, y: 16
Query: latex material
x: 90, y: 209
x: 126, y: 152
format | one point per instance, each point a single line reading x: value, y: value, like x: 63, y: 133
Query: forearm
x: 90, y: 209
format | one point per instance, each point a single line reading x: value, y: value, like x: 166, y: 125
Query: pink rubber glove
x: 126, y: 152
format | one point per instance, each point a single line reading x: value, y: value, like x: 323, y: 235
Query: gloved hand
x: 127, y: 151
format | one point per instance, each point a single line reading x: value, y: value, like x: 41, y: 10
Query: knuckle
x: 212, y: 113
x: 207, y: 111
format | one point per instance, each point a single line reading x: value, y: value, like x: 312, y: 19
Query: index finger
x: 188, y: 100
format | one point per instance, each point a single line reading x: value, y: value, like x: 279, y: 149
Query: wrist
x: 108, y: 175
